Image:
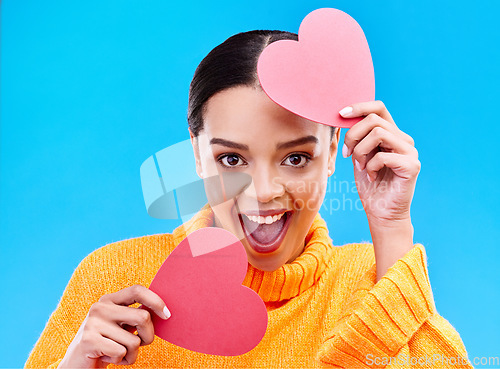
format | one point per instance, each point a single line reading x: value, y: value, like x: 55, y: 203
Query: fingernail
x: 368, y: 176
x: 344, y: 151
x: 346, y: 111
x: 358, y: 166
x: 166, y: 312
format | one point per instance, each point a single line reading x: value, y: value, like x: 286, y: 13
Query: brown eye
x: 230, y: 160
x: 297, y: 160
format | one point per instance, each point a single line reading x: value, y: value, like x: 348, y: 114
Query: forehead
x: 247, y: 113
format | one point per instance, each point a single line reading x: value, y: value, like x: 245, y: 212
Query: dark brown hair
x: 232, y: 63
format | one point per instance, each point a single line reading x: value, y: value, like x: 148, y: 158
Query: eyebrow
x: 223, y: 142
x: 280, y: 146
x: 297, y: 142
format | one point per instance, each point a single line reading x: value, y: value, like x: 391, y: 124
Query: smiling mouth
x: 265, y: 234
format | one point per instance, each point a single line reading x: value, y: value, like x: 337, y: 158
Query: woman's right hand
x: 106, y: 335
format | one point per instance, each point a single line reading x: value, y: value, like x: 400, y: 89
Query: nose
x: 266, y: 185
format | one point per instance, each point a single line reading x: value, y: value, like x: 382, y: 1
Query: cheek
x: 308, y: 192
x: 225, y: 214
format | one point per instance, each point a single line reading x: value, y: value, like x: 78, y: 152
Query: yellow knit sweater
x: 324, y: 308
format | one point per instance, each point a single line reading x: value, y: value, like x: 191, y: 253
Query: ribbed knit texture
x: 324, y: 308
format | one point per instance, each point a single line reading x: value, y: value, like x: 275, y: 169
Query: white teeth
x: 265, y: 220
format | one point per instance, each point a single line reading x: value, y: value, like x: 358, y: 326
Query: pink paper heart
x: 212, y: 312
x: 329, y: 68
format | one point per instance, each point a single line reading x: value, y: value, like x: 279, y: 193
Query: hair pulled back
x: 230, y: 64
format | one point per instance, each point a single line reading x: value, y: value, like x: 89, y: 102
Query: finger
x: 144, y: 325
x: 119, y: 335
x: 365, y: 108
x: 401, y: 165
x: 140, y: 319
x: 133, y: 330
x: 368, y: 156
x: 140, y: 294
x: 123, y: 316
x: 387, y: 141
x: 145, y: 339
x: 129, y: 328
x: 361, y: 129
x: 108, y: 350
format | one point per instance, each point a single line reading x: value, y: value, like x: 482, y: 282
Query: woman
x: 357, y: 305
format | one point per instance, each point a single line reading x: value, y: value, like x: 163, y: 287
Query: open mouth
x: 265, y: 234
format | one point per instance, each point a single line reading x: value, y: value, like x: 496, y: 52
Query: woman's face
x: 289, y: 159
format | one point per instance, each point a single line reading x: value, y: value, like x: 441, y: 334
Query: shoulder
x: 349, y: 264
x: 126, y: 262
x: 355, y: 262
x: 356, y: 253
x: 134, y: 246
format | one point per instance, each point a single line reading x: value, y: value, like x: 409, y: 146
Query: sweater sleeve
x: 66, y: 319
x: 394, y: 323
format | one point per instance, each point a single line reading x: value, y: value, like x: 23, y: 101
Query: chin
x: 266, y: 266
x: 267, y: 262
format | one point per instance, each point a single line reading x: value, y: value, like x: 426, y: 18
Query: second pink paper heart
x: 212, y: 312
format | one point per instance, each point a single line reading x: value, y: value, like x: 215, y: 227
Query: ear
x: 196, y: 151
x: 333, y: 152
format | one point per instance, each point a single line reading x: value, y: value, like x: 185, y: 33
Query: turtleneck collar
x: 291, y: 279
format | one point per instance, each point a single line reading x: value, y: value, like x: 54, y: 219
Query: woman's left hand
x: 386, y: 167
x: 385, y: 161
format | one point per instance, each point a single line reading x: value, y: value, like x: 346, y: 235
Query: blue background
x: 90, y: 89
